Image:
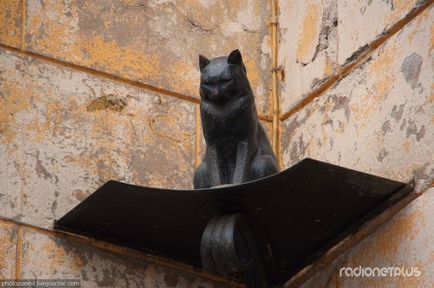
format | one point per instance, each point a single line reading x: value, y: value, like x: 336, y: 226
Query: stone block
x: 378, y: 119
x: 153, y: 42
x: 67, y: 132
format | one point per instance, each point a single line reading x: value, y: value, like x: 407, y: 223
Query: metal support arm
x: 228, y: 248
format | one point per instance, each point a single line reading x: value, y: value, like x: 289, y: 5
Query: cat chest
x: 233, y: 123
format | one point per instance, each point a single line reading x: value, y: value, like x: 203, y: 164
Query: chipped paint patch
x: 411, y: 69
x: 107, y: 102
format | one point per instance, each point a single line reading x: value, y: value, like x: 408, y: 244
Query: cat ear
x: 235, y: 57
x: 203, y: 61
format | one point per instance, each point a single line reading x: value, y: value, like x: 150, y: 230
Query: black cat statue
x: 237, y: 147
x: 260, y: 232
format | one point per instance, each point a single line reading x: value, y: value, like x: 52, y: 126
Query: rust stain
x: 309, y: 33
x: 379, y: 71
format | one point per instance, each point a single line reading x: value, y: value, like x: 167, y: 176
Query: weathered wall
x: 378, y: 118
x: 29, y: 253
x: 99, y: 90
x: 153, y: 42
x: 404, y: 241
x: 358, y: 92
x: 64, y: 133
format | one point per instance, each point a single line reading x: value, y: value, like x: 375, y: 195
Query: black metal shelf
x: 294, y: 215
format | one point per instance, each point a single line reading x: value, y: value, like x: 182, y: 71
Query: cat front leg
x: 242, y: 164
x: 214, y: 169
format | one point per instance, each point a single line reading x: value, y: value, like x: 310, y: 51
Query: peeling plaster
x: 411, y: 69
x: 107, y: 102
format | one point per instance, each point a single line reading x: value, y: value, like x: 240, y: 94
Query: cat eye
x: 226, y: 77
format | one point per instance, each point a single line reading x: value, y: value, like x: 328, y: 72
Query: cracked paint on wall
x: 307, y: 49
x: 375, y: 119
x: 361, y: 22
x: 64, y: 135
x: 318, y: 37
x: 153, y: 42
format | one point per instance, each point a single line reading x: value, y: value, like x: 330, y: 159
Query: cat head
x: 223, y: 78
